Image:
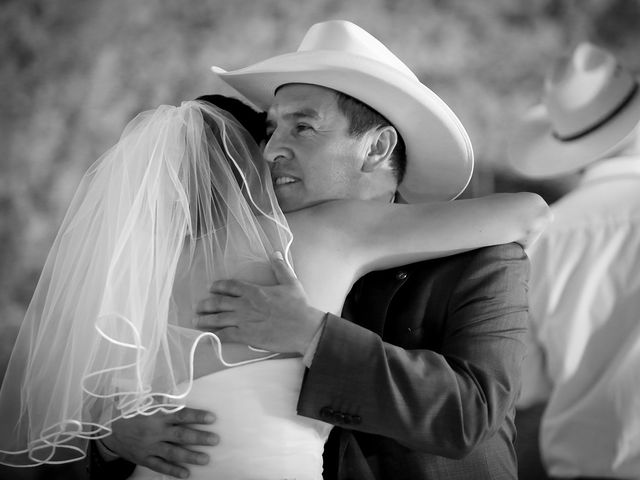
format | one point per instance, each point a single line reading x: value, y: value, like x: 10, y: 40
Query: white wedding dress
x: 261, y: 436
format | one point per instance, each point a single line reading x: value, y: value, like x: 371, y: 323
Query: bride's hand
x: 277, y: 318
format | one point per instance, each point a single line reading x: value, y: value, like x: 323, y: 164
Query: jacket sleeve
x: 99, y: 469
x: 442, y: 402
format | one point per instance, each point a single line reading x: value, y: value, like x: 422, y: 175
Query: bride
x: 182, y: 200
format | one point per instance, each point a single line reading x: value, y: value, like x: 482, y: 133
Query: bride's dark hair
x: 238, y: 131
x: 252, y: 120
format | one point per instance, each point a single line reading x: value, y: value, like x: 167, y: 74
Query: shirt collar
x: 613, y: 167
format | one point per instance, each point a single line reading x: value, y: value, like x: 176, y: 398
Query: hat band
x: 599, y: 123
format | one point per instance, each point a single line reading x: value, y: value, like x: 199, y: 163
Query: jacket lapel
x: 368, y: 302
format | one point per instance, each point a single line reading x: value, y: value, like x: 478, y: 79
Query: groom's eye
x: 303, y: 127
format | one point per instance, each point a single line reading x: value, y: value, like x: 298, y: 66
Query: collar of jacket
x: 368, y: 302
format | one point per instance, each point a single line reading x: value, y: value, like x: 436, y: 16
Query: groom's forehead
x: 278, y: 115
x: 298, y: 101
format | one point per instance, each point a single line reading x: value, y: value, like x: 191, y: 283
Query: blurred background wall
x: 73, y: 73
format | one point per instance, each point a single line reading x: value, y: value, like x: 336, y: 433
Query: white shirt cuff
x: 307, y: 359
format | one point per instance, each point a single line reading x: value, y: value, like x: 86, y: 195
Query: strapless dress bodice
x: 261, y: 436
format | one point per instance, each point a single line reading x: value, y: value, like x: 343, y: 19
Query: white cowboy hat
x: 590, y: 104
x: 340, y: 55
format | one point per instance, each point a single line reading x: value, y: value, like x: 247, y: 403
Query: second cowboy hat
x: 340, y: 55
x: 590, y: 104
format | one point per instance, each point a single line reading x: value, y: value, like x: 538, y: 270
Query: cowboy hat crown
x: 347, y: 37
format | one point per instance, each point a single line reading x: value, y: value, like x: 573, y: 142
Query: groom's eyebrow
x: 310, y: 113
x: 304, y: 113
x: 295, y: 115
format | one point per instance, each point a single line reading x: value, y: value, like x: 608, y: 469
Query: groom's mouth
x: 284, y: 180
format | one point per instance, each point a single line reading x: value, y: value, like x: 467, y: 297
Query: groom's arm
x: 102, y: 465
x: 443, y: 402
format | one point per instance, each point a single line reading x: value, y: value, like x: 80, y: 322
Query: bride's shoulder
x: 330, y: 218
x: 339, y: 213
x: 345, y: 222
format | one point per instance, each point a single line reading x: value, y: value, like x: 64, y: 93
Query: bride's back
x: 324, y: 268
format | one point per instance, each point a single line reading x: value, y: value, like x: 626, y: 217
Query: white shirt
x: 584, y: 352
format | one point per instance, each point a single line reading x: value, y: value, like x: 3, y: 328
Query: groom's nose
x: 276, y: 149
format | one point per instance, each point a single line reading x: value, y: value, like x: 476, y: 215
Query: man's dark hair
x: 363, y: 118
x: 253, y: 121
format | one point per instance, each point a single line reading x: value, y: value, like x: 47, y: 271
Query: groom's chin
x: 287, y: 203
x: 288, y: 208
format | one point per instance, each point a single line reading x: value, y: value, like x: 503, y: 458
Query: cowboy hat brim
x: 534, y: 151
x: 439, y: 152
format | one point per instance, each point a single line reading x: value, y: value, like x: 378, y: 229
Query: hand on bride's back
x: 160, y: 441
x: 277, y: 318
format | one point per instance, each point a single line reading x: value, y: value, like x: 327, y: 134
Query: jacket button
x: 339, y: 417
x: 356, y: 420
x: 326, y: 412
x: 401, y: 275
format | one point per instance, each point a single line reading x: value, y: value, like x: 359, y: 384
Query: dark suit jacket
x: 423, y: 381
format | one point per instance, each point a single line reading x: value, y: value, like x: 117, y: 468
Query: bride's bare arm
x: 382, y: 235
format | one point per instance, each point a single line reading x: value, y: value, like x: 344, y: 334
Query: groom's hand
x: 277, y: 318
x: 160, y: 441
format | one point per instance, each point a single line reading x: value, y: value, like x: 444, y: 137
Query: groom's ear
x: 382, y: 141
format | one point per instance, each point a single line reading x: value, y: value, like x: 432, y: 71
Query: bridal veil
x: 101, y: 338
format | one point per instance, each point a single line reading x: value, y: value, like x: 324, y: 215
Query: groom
x: 422, y: 378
